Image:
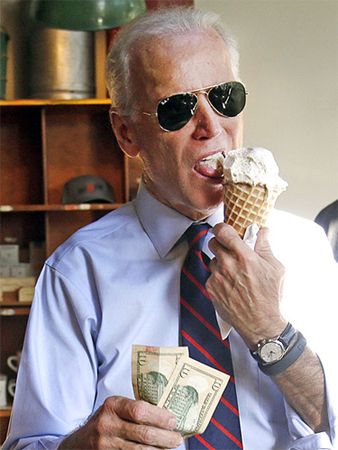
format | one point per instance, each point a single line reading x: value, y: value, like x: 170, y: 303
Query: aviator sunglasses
x: 174, y: 112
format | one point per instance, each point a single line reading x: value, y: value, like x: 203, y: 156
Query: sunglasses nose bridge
x: 206, y: 119
x: 205, y: 93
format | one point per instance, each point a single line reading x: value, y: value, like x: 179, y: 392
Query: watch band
x: 288, y: 359
x: 287, y: 334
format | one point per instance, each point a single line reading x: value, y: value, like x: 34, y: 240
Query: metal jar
x: 61, y: 64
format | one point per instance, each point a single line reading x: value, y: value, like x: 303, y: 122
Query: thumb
x: 262, y: 246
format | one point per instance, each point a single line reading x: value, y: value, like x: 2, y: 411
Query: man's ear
x: 123, y: 134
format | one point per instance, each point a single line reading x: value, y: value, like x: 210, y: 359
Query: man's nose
x: 207, y: 121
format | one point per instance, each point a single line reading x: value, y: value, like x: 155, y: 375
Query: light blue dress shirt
x: 116, y: 283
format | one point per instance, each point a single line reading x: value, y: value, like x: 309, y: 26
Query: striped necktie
x: 200, y: 332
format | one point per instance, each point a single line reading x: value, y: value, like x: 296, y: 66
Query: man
x: 117, y: 282
x: 328, y: 219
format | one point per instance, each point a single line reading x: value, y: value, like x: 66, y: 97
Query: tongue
x: 207, y: 171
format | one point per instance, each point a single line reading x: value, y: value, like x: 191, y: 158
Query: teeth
x: 216, y: 157
x: 214, y: 161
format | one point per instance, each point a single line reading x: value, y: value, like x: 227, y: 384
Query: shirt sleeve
x: 50, y: 403
x: 303, y: 435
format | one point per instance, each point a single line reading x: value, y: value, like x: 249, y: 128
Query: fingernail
x: 179, y: 441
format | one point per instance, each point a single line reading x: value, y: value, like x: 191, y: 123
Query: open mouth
x: 211, y: 166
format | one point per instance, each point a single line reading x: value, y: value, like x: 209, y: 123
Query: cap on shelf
x: 87, y: 189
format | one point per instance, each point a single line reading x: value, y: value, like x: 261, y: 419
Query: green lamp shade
x: 86, y: 15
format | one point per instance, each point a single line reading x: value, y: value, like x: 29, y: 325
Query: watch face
x: 271, y: 352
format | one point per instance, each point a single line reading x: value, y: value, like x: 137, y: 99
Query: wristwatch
x: 269, y: 351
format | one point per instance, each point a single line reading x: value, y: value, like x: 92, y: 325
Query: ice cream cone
x: 246, y: 204
x: 251, y: 187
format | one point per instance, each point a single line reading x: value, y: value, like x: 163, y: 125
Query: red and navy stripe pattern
x: 200, y: 332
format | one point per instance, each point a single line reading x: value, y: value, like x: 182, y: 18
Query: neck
x: 192, y: 213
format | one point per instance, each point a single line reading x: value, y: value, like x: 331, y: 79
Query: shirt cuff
x: 303, y: 435
x: 224, y: 327
x: 44, y: 443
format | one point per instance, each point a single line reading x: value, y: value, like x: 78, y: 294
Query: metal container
x: 3, y: 61
x: 61, y: 64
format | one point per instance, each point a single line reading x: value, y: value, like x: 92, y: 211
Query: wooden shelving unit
x: 43, y: 144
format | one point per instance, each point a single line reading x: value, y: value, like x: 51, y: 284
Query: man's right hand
x: 121, y: 423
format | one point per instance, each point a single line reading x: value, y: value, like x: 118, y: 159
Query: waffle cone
x: 246, y: 204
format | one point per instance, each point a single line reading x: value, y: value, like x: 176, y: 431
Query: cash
x: 169, y: 378
x: 152, y: 368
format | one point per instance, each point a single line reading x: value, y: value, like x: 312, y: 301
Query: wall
x: 289, y: 63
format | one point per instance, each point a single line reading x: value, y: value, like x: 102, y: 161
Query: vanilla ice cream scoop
x: 254, y: 166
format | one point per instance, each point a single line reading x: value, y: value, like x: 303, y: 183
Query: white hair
x: 157, y: 23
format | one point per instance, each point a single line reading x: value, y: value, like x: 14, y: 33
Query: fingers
x: 144, y: 423
x: 122, y: 423
x: 262, y: 246
x: 227, y: 247
x: 226, y: 238
x: 142, y: 412
x: 149, y: 435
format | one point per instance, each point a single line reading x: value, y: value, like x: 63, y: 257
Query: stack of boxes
x: 17, y: 279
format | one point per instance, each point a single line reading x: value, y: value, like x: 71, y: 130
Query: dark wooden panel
x: 20, y: 156
x: 24, y: 227
x: 4, y: 421
x: 79, y: 141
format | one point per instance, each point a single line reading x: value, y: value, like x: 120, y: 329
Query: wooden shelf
x: 59, y: 207
x: 53, y: 102
x: 6, y: 304
x: 14, y: 309
x: 5, y: 411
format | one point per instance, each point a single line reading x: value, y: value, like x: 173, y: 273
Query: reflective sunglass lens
x: 228, y: 98
x: 176, y: 111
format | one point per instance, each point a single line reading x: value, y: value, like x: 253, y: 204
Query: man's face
x: 172, y: 169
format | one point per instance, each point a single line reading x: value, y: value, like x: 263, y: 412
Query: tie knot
x: 196, y: 234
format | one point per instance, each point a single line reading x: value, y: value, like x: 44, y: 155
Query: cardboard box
x: 9, y: 254
x: 26, y: 294
x: 10, y: 286
x: 21, y: 270
x: 4, y: 271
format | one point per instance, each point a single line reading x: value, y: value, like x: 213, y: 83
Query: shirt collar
x: 163, y: 225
